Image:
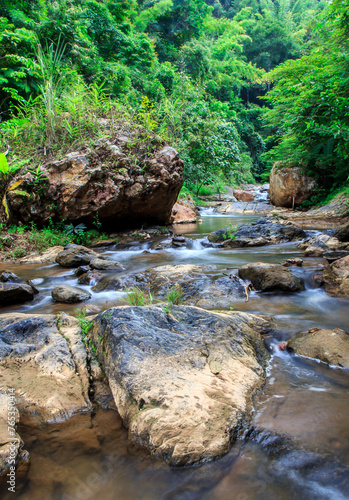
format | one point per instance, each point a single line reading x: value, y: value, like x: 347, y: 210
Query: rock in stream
x: 182, y: 379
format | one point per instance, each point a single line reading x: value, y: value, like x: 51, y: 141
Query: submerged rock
x: 15, y: 293
x: 69, y: 294
x: 336, y: 277
x: 268, y: 277
x: 329, y: 346
x: 182, y: 380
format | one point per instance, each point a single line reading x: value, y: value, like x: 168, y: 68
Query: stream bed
x: 89, y: 456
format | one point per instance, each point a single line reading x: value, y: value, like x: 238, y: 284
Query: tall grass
x: 49, y: 63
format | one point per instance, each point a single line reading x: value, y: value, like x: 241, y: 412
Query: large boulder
x: 15, y: 293
x: 69, y: 294
x: 336, y: 277
x: 289, y: 186
x: 76, y: 255
x: 121, y: 186
x: 268, y: 277
x: 183, y: 379
x: 329, y: 346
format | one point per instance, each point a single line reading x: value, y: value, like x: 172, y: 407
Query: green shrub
x: 175, y: 295
x: 136, y: 297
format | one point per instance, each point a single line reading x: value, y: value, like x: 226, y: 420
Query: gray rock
x: 69, y: 294
x: 15, y: 293
x: 343, y: 233
x: 268, y: 277
x: 329, y: 346
x: 8, y: 276
x: 261, y: 232
x: 182, y: 380
x: 105, y: 264
x: 75, y: 256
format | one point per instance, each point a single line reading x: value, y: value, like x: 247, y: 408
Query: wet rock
x: 180, y: 241
x: 183, y: 213
x: 197, y: 286
x: 336, y: 278
x: 15, y: 293
x: 105, y: 264
x: 104, y: 184
x: 182, y: 381
x: 114, y: 283
x: 343, y: 233
x: 82, y: 270
x: 289, y: 186
x: 32, y: 285
x: 317, y: 246
x: 329, y: 346
x: 91, y: 309
x: 46, y: 257
x: 8, y: 276
x: 69, y: 294
x: 75, y: 256
x: 331, y: 256
x: 44, y: 360
x: 268, y: 277
x: 90, y: 278
x: 293, y: 262
x: 261, y: 232
x: 244, y: 196
x: 318, y: 279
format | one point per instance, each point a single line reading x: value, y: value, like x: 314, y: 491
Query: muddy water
x: 304, y: 401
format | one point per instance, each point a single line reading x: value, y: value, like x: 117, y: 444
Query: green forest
x: 233, y: 85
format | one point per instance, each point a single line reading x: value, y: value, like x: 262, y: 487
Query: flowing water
x: 89, y: 457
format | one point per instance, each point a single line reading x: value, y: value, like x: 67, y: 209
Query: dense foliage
x: 191, y: 70
x: 310, y: 103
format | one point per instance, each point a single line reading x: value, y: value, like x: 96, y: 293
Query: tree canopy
x: 195, y: 71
